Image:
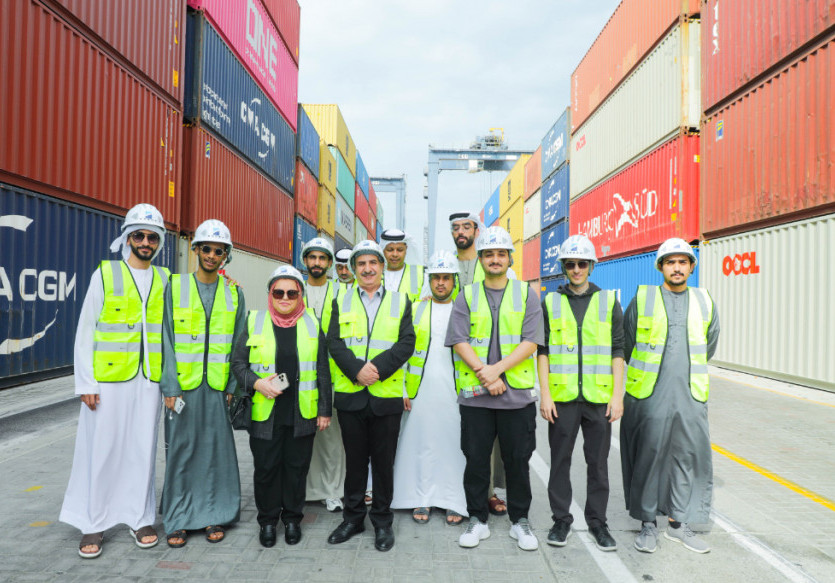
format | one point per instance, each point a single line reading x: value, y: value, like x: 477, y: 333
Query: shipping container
x: 63, y: 114
x: 326, y: 215
x: 307, y: 142
x: 344, y: 220
x: 286, y: 15
x: 303, y: 232
x: 254, y: 39
x: 532, y: 221
x: 360, y: 232
x: 513, y: 185
x: 221, y: 94
x: 362, y: 176
x: 627, y: 37
x: 380, y: 213
x: 555, y: 146
x: 531, y: 255
x: 481, y: 216
x: 518, y: 257
x: 146, y: 40
x: 514, y: 219
x: 50, y: 250
x: 252, y: 272
x: 345, y: 182
x: 372, y: 226
x: 306, y: 193
x: 743, y: 39
x: 658, y: 100
x: 372, y: 199
x: 361, y: 209
x: 642, y: 206
x: 550, y: 284
x: 219, y: 184
x: 380, y: 230
x: 533, y: 174
x: 776, y: 321
x: 333, y: 131
x: 767, y: 157
x: 327, y: 168
x: 555, y: 197
x: 340, y: 243
x: 550, y: 242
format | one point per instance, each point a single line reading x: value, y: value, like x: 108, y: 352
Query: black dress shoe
x: 292, y: 533
x: 383, y: 538
x: 345, y: 531
x: 267, y: 536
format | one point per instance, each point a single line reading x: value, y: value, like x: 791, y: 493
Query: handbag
x: 240, y: 411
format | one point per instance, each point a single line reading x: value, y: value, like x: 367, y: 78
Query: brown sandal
x: 177, y: 534
x: 494, y: 502
x: 89, y: 540
x: 143, y: 532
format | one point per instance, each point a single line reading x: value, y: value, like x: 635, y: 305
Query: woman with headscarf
x: 281, y: 360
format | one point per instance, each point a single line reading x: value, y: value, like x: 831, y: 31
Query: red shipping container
x: 769, y: 156
x: 286, y: 15
x: 531, y: 253
x: 361, y: 206
x: 306, y: 193
x: 741, y: 39
x: 372, y: 200
x: 77, y: 125
x: 651, y: 200
x: 372, y: 226
x: 635, y: 27
x: 533, y: 173
x: 218, y: 184
x: 481, y: 216
x: 148, y: 37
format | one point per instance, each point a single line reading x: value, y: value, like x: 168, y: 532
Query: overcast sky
x: 440, y: 72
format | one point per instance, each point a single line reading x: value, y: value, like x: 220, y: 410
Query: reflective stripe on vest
x: 198, y: 343
x: 422, y: 320
x: 327, y: 306
x: 564, y: 359
x: 511, y: 319
x: 412, y: 281
x: 262, y: 347
x: 117, y: 339
x: 353, y: 330
x: 478, y: 277
x: 651, y: 336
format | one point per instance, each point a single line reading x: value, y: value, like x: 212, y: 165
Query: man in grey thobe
x: 665, y: 441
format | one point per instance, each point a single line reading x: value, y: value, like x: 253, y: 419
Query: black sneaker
x: 559, y: 533
x: 602, y: 539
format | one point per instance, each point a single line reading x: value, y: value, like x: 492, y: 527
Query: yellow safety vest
x: 261, y: 342
x: 367, y: 344
x: 478, y: 277
x: 199, y: 341
x: 511, y: 319
x: 325, y: 318
x: 117, y: 340
x: 564, y: 360
x: 422, y: 320
x: 412, y: 281
x: 651, y: 336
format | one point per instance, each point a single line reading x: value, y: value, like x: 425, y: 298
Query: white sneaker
x: 333, y: 504
x: 524, y: 536
x: 475, y: 532
x: 687, y: 537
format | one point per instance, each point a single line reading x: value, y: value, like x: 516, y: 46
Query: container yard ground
x: 774, y: 511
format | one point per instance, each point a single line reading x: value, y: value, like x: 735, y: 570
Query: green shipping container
x: 344, y: 178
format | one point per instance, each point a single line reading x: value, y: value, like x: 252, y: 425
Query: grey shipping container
x: 307, y: 142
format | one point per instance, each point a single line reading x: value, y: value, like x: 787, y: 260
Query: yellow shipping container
x: 327, y: 167
x: 513, y: 187
x: 326, y: 220
x: 513, y: 220
x: 517, y: 258
x: 328, y: 121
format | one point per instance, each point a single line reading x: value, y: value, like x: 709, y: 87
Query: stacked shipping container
x: 553, y: 200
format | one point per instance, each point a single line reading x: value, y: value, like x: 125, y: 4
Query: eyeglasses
x: 569, y: 265
x: 292, y: 294
x: 139, y: 236
x: 207, y: 250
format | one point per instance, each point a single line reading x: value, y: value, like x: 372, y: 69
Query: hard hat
x: 674, y: 246
x: 287, y: 272
x: 364, y: 248
x: 393, y: 236
x: 342, y: 256
x: 465, y: 216
x: 577, y: 247
x: 212, y: 231
x: 442, y: 262
x: 494, y: 238
x: 144, y: 215
x: 318, y: 244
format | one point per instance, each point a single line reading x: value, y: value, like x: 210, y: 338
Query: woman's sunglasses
x: 292, y: 294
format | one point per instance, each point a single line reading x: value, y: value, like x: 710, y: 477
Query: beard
x: 142, y: 253
x: 317, y: 272
x: 466, y: 244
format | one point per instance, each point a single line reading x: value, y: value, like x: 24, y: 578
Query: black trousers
x: 516, y: 429
x: 281, y: 466
x: 597, y: 437
x: 367, y: 436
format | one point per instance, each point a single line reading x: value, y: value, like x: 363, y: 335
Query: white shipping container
x: 661, y: 96
x: 344, y: 220
x: 533, y: 216
x: 360, y: 232
x: 772, y: 289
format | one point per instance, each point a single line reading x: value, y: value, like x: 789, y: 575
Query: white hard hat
x: 143, y: 215
x: 577, y: 247
x: 494, y: 238
x: 212, y: 231
x: 318, y: 244
x: 364, y: 248
x: 674, y: 246
x: 342, y: 256
x: 287, y: 272
x: 442, y: 262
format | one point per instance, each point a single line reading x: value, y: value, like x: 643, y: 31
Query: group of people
x: 414, y: 360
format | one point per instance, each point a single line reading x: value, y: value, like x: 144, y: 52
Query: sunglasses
x: 139, y: 236
x: 292, y: 294
x: 569, y: 265
x: 208, y: 250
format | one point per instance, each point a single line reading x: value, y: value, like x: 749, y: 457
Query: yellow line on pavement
x: 772, y: 476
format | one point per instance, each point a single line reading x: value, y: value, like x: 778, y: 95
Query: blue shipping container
x: 550, y: 285
x: 555, y: 146
x: 303, y: 233
x: 362, y: 176
x: 624, y: 275
x: 554, y: 198
x: 344, y: 178
x: 339, y: 243
x: 379, y: 231
x: 491, y: 208
x: 220, y: 92
x: 307, y: 142
x: 50, y: 250
x: 550, y: 243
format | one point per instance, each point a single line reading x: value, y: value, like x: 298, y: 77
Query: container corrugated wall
x: 64, y: 115
x: 340, y: 243
x: 769, y: 156
x: 326, y: 215
x: 533, y: 174
x: 372, y: 199
x: 307, y: 142
x: 627, y: 37
x: 252, y: 272
x: 303, y: 233
x: 306, y: 193
x: 555, y: 198
x: 361, y: 209
x: 362, y: 176
x: 513, y: 185
x: 327, y: 168
x: 655, y: 102
x: 344, y: 220
x: 287, y: 17
x: 344, y: 179
x: 773, y: 292
x: 491, y: 208
x: 513, y: 220
x: 554, y: 146
x: 550, y: 242
x: 333, y: 131
x: 360, y: 232
x: 530, y: 259
x: 532, y: 222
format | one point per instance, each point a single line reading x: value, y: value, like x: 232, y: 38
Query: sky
x: 441, y: 72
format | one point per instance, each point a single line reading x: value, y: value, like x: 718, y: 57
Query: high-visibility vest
x: 199, y: 341
x: 261, y: 342
x: 651, y: 336
x: 511, y: 319
x: 564, y: 358
x: 325, y: 317
x: 117, y: 339
x: 478, y: 277
x: 367, y: 344
x: 422, y: 321
x: 412, y: 281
